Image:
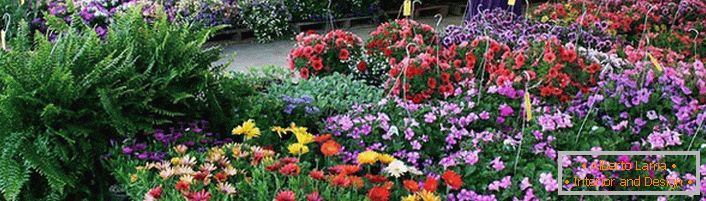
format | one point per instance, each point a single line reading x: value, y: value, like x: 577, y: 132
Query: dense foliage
x: 479, y: 115
x: 63, y: 100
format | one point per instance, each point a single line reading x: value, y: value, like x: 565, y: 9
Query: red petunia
x: 344, y: 55
x: 317, y: 63
x: 308, y: 51
x: 593, y: 68
x: 452, y: 179
x: 470, y: 60
x: 319, y: 48
x: 379, y: 194
x: 446, y: 77
x: 545, y: 91
x: 417, y: 99
x: 304, y: 73
x: 457, y: 63
x: 430, y: 184
x: 519, y: 61
x: 431, y: 82
x: 549, y: 57
x: 362, y: 66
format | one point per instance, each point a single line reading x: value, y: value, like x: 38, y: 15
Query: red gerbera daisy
x: 452, y: 179
x: 430, y: 184
x: 285, y: 196
x: 379, y: 194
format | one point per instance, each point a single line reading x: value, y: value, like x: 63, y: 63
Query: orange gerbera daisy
x: 341, y: 180
x: 330, y: 148
x: 322, y: 138
x: 317, y: 175
x: 452, y: 179
x: 356, y: 181
x: 411, y: 185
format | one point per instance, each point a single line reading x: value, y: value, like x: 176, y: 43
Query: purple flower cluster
x: 517, y: 31
x: 291, y: 104
x: 469, y: 195
x: 192, y: 135
x: 98, y: 13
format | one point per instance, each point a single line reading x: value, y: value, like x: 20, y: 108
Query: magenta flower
x: 548, y: 181
x: 498, y: 164
x: 505, y: 110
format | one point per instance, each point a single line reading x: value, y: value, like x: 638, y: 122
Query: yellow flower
x: 296, y: 129
x: 386, y: 158
x: 298, y: 148
x: 544, y: 19
x: 304, y: 137
x: 248, y: 129
x: 176, y: 161
x: 133, y: 178
x: 412, y: 197
x: 279, y: 130
x: 368, y: 157
x: 429, y: 196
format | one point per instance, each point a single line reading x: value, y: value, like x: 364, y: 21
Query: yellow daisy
x: 386, y: 158
x: 412, y: 197
x: 304, y: 137
x: 429, y: 196
x: 298, y: 149
x: 248, y: 129
x: 368, y: 157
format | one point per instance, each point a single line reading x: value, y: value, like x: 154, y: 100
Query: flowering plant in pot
x: 390, y: 43
x: 321, y: 55
x: 423, y: 77
x: 517, y: 31
x: 557, y: 70
x: 390, y: 39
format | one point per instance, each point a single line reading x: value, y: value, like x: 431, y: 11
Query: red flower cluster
x: 315, y: 54
x: 561, y: 76
x: 555, y: 69
x: 286, y: 166
x: 391, y: 39
x: 423, y: 77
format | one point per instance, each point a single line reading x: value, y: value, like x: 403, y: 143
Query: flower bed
x: 474, y: 113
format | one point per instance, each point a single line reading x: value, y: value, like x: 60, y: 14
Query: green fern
x: 61, y: 101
